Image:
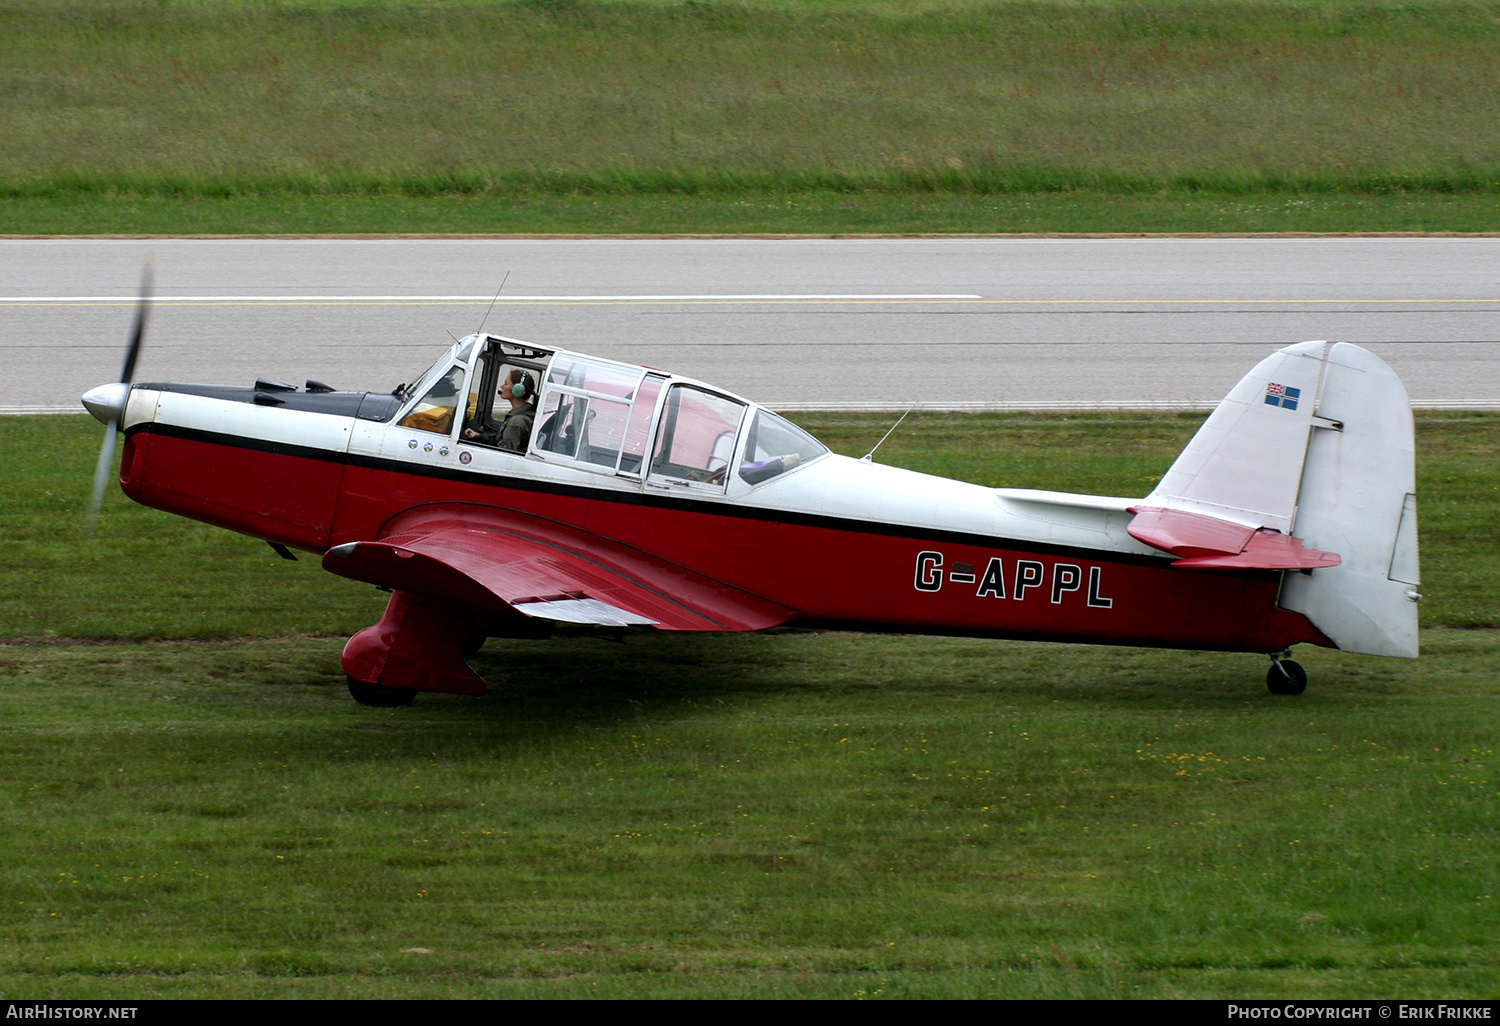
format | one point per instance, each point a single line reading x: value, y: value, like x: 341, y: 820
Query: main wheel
x: 473, y: 642
x: 374, y: 694
x: 1286, y: 678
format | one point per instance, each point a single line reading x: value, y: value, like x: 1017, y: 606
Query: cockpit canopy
x: 602, y: 416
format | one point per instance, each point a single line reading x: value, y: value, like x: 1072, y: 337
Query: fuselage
x: 846, y: 543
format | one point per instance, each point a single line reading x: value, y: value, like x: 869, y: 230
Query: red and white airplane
x: 636, y: 498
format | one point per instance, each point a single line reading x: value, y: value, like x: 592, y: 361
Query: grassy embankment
x: 815, y: 116
x: 770, y: 815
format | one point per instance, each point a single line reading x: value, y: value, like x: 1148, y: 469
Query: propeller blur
x: 107, y: 402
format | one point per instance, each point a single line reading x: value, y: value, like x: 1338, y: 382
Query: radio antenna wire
x: 493, y: 302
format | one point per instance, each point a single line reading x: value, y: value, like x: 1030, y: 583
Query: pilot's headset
x: 522, y: 385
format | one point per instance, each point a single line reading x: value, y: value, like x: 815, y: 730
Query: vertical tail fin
x: 1317, y: 439
x: 1245, y: 462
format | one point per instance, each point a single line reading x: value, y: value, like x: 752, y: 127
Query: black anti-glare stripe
x: 370, y: 406
x: 723, y: 509
x: 238, y: 442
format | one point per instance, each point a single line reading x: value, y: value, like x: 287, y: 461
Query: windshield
x: 775, y: 446
x: 458, y: 353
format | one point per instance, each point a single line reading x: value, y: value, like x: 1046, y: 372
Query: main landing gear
x: 418, y: 645
x: 374, y: 694
x: 1285, y: 677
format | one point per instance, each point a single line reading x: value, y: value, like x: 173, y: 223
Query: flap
x: 499, y: 559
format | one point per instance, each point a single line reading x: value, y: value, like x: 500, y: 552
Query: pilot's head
x: 518, y: 385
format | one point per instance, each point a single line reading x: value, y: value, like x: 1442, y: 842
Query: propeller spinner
x: 107, y: 402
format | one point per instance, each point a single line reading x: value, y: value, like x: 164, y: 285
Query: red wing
x: 497, y: 559
x: 1207, y: 543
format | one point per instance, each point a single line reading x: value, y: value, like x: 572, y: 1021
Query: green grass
x: 1050, y: 115
x: 772, y: 815
x: 827, y: 213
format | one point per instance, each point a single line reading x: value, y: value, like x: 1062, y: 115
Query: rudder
x: 1358, y: 498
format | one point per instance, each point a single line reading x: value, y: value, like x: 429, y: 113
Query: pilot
x: 512, y: 433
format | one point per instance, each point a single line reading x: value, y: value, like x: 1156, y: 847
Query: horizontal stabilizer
x: 1208, y: 543
x: 1266, y: 550
x: 1188, y: 534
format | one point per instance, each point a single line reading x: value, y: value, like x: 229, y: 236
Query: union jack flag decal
x: 1284, y: 396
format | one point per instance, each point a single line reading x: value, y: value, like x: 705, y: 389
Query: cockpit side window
x: 638, y: 430
x: 504, y: 370
x: 696, y: 435
x: 502, y: 404
x: 597, y: 414
x: 775, y: 446
x: 563, y: 421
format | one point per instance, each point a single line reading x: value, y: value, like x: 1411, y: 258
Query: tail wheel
x: 374, y: 694
x: 1286, y: 678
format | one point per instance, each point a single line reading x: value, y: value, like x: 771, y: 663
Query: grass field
x: 820, y: 115
x: 834, y: 213
x: 195, y: 808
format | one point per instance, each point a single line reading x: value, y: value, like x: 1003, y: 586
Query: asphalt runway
x: 803, y: 323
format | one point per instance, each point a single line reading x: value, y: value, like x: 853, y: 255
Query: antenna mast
x: 869, y: 456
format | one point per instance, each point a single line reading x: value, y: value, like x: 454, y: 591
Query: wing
x: 499, y: 559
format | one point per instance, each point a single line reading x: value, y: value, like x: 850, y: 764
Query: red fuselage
x: 834, y: 570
